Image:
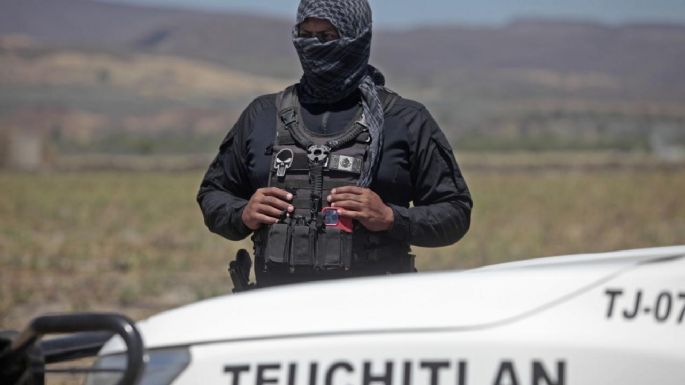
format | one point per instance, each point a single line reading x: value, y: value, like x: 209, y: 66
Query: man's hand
x: 363, y: 205
x: 266, y: 207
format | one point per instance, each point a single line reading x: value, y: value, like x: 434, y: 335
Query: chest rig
x: 309, y: 165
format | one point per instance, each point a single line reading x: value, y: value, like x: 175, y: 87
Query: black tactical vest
x: 309, y: 165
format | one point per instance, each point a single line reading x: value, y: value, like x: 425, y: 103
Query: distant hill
x: 529, y: 84
x: 255, y: 43
x: 95, y: 100
x: 641, y: 58
x: 79, y: 21
x: 633, y: 60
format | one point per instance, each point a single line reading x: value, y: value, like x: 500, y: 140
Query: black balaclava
x: 334, y: 70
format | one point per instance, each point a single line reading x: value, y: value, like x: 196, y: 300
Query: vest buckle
x: 288, y: 116
x: 318, y: 153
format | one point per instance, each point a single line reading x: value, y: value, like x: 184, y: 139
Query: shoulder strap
x: 287, y: 124
x: 283, y: 102
x: 388, y: 98
x: 287, y: 131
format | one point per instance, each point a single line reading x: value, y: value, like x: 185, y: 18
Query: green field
x: 135, y: 242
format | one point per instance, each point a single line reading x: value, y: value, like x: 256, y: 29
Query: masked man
x: 323, y: 173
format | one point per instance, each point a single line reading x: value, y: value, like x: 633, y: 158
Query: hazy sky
x: 412, y: 12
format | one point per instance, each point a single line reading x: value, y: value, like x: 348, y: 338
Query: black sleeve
x: 441, y: 212
x: 225, y: 191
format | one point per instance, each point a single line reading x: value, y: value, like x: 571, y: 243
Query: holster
x: 239, y: 270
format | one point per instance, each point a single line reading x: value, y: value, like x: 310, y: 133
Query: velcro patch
x: 345, y: 163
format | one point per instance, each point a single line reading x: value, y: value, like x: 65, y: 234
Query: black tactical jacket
x: 417, y: 167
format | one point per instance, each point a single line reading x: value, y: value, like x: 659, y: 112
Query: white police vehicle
x: 610, y: 318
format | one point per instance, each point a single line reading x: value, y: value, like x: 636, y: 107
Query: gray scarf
x: 335, y: 69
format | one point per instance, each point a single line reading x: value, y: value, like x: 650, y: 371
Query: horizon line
x: 570, y: 19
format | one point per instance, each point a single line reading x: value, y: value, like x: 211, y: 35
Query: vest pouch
x: 334, y: 249
x: 300, y: 254
x: 277, y: 244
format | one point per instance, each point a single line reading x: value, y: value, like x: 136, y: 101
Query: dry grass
x: 522, y: 215
x: 135, y: 242
x: 116, y: 241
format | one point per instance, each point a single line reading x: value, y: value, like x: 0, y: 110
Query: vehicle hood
x: 466, y: 300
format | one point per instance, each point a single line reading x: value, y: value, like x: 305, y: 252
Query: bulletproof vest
x: 309, y: 165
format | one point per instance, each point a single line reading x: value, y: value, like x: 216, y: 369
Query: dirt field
x: 134, y: 242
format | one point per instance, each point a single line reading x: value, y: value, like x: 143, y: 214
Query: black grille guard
x: 23, y: 358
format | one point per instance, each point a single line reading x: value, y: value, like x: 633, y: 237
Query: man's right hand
x: 266, y: 207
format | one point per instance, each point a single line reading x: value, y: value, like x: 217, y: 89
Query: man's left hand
x: 363, y: 205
